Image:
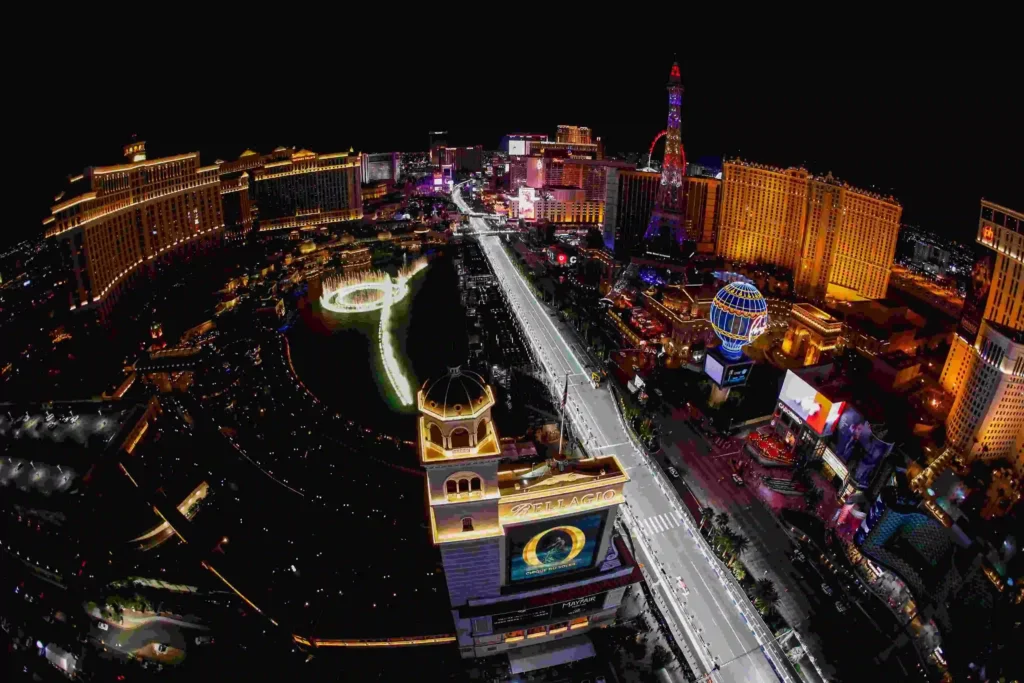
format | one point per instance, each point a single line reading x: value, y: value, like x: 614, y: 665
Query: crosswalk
x: 663, y: 522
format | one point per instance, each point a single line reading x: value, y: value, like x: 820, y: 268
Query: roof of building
x: 456, y: 394
x: 551, y: 476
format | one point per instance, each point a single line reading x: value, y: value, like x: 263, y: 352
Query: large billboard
x: 726, y: 374
x: 527, y: 198
x: 713, y: 369
x: 554, y: 546
x: 858, y: 447
x: 818, y: 412
x: 516, y: 147
x: 977, y: 293
x: 563, y: 610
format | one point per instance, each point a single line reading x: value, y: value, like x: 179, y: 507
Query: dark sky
x: 938, y: 135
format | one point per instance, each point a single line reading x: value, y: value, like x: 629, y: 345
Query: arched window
x: 481, y: 431
x: 467, y: 523
x: 474, y: 484
x: 463, y: 485
x: 451, y: 487
x: 460, y: 438
x: 435, y: 436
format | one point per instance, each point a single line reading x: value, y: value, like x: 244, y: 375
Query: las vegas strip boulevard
x: 551, y: 547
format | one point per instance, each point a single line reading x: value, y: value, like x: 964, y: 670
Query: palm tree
x: 722, y: 521
x: 707, y: 514
x: 739, y: 544
x: 765, y: 596
x: 723, y: 542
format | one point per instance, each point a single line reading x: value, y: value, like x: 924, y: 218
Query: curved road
x: 713, y: 623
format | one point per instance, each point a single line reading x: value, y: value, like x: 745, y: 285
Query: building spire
x: 667, y: 219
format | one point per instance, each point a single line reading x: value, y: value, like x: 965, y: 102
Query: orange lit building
x: 114, y: 220
x: 985, y: 367
x: 573, y: 135
x: 307, y: 190
x: 528, y: 546
x: 838, y: 241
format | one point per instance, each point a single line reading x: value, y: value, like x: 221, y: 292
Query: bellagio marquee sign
x: 558, y: 505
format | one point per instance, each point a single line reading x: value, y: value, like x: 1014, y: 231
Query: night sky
x: 938, y: 135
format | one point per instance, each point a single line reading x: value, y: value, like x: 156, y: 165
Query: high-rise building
x: 529, y: 547
x: 380, y: 166
x: 987, y: 417
x: 515, y: 144
x: 667, y: 219
x: 838, y: 240
x: 985, y: 367
x: 630, y: 212
x: 573, y: 135
x: 113, y: 220
x: 307, y: 190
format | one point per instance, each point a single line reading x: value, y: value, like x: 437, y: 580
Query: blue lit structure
x: 739, y: 315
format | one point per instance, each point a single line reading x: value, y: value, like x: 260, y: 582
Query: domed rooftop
x: 458, y: 393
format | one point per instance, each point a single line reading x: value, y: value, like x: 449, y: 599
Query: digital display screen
x: 858, y: 447
x: 517, y: 147
x: 553, y: 547
x: 818, y: 412
x: 713, y: 369
x: 735, y: 375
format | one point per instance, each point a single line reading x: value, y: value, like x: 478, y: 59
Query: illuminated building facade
x: 667, y: 219
x: 113, y: 220
x: 838, y: 241
x: 631, y: 210
x: 307, y: 190
x: 380, y: 166
x: 555, y: 211
x: 528, y: 547
x: 573, y: 135
x: 985, y: 364
x: 811, y: 332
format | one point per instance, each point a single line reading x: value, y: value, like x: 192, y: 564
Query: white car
x: 673, y: 472
x: 840, y: 607
x: 104, y: 626
x: 826, y: 589
x: 682, y: 586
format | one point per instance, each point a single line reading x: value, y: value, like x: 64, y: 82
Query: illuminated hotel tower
x: 113, y: 222
x: 839, y: 241
x: 668, y: 217
x: 985, y: 368
x: 528, y: 546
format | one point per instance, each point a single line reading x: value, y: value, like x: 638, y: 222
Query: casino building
x: 529, y: 547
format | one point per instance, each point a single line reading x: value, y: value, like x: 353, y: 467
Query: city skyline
x: 886, y: 129
x: 425, y: 378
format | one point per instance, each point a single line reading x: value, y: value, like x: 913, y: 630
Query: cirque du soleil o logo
x: 554, y: 546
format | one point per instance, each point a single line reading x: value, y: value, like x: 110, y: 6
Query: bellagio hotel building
x: 837, y: 240
x: 113, y: 221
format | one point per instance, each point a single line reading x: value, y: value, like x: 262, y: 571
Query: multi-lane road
x: 711, y: 619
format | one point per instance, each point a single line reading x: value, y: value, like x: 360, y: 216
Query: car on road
x: 682, y: 586
x: 797, y: 555
x: 840, y: 607
x: 673, y: 472
x: 826, y: 589
x: 103, y: 626
x: 737, y: 479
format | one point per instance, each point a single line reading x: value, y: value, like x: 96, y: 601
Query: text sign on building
x: 526, y: 616
x: 563, y: 610
x: 571, y: 608
x: 562, y: 504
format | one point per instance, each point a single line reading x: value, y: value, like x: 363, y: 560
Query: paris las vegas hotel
x: 529, y: 548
